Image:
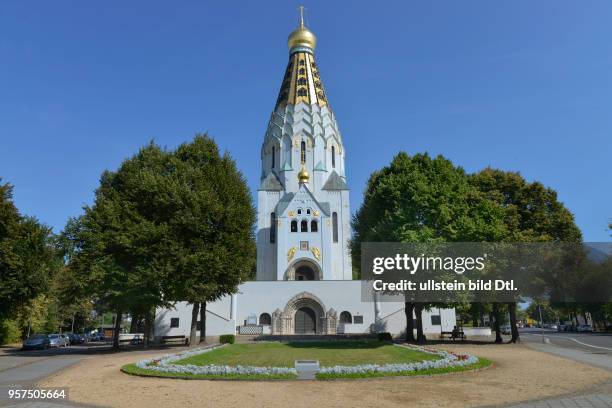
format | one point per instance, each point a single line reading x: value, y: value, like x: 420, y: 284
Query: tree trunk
x: 116, y: 331
x: 149, y: 318
x: 514, y: 330
x: 418, y: 311
x: 194, y: 324
x: 203, y: 322
x: 134, y: 323
x: 408, y: 311
x: 496, y: 325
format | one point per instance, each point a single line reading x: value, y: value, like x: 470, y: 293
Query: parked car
x: 137, y: 339
x: 76, y: 338
x: 58, y: 340
x: 505, y: 329
x: 553, y: 327
x: 584, y: 328
x: 97, y: 337
x: 37, y: 341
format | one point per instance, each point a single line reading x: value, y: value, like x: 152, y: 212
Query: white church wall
x: 218, y: 319
x: 266, y: 252
x: 394, y: 319
x: 255, y: 298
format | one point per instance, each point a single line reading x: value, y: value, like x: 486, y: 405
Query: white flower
x: 164, y: 364
x: 447, y: 360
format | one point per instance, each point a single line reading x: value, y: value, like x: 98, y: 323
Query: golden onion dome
x: 303, y: 176
x: 302, y: 36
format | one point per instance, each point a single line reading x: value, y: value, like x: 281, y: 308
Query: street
x: 589, y: 348
x: 22, y: 369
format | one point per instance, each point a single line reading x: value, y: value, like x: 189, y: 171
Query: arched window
x: 303, y: 152
x: 335, y: 226
x: 308, y: 211
x: 273, y: 156
x: 304, y: 226
x: 293, y: 225
x: 334, y: 157
x: 302, y: 91
x: 265, y: 319
x: 302, y: 81
x: 345, y: 317
x: 299, y: 211
x: 272, y: 228
x: 314, y: 227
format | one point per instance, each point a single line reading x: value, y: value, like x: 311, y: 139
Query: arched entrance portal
x: 303, y: 269
x: 305, y: 321
x: 304, y: 314
x: 304, y: 272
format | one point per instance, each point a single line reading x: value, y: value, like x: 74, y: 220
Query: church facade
x: 304, y: 282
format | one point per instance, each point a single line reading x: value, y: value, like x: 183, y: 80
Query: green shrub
x: 9, y: 332
x: 385, y: 336
x: 227, y: 339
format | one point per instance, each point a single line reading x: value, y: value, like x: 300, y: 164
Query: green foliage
x: 213, y: 227
x: 531, y: 211
x: 9, y: 331
x: 165, y: 226
x: 423, y: 199
x: 227, y: 339
x: 385, y: 336
x: 28, y: 257
x: 549, y: 315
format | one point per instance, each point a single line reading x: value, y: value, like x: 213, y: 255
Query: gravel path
x: 519, y: 374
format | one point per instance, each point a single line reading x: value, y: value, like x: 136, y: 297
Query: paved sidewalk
x: 598, y: 397
x: 593, y: 358
x: 583, y: 401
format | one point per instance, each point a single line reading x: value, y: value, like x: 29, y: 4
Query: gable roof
x: 271, y: 183
x: 303, y: 190
x: 335, y: 182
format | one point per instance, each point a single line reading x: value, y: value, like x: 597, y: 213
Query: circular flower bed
x: 447, y: 361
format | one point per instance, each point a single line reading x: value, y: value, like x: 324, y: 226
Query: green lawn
x: 327, y: 353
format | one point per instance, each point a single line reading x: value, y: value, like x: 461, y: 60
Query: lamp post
x: 541, y: 322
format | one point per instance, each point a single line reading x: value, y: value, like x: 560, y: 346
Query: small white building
x: 304, y: 275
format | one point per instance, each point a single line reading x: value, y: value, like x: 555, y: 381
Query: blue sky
x: 520, y: 85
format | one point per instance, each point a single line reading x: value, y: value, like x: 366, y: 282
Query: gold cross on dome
x: 301, y: 8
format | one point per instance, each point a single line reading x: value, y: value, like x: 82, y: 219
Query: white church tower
x: 303, y: 230
x: 303, y: 226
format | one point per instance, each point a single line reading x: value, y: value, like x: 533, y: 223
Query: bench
x: 453, y: 335
x: 174, y: 339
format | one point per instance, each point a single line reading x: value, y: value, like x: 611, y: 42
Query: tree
x: 28, y: 256
x: 422, y: 199
x: 166, y: 226
x: 120, y: 249
x: 532, y: 213
x: 213, y: 228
